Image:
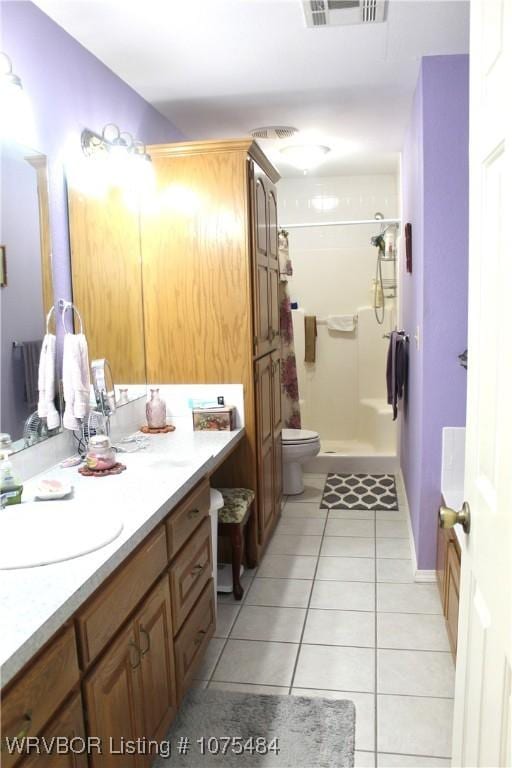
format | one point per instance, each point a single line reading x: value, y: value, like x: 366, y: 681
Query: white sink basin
x: 39, y: 533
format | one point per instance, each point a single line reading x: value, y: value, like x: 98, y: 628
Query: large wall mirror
x: 26, y: 290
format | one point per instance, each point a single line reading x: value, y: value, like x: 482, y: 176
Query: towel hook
x: 64, y: 306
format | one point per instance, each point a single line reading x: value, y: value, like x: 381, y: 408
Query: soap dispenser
x: 10, y: 486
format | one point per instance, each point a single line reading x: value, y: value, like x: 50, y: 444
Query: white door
x: 482, y: 717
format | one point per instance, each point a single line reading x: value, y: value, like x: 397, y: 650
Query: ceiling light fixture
x: 113, y: 141
x: 305, y: 156
x: 9, y: 79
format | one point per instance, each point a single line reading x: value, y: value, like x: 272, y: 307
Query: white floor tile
x: 335, y: 668
x: 210, y: 658
x: 415, y: 673
x: 331, y: 627
x: 362, y: 528
x: 408, y: 598
x: 346, y: 546
x: 343, y: 595
x: 346, y: 569
x: 395, y: 548
x: 302, y: 509
x: 294, y: 545
x: 257, y: 622
x: 364, y: 759
x: 394, y: 571
x: 390, y: 514
x: 274, y: 690
x: 289, y: 593
x: 246, y: 581
x: 300, y: 526
x: 314, y: 480
x: 410, y: 761
x: 412, y: 631
x: 392, y: 529
x: 351, y: 514
x: 365, y: 712
x: 226, y: 615
x: 287, y: 567
x: 313, y: 491
x: 246, y: 661
x: 414, y: 726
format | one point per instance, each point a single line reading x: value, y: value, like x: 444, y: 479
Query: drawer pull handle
x: 27, y: 720
x: 144, y: 631
x: 131, y: 645
x: 197, y: 569
x: 193, y: 513
x: 199, y: 636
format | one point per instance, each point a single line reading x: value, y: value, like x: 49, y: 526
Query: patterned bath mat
x: 360, y: 492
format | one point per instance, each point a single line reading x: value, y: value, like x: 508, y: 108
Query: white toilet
x: 299, y: 445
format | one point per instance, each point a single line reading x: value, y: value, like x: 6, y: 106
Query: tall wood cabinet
x: 211, y: 309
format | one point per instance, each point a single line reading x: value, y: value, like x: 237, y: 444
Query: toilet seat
x: 298, y: 436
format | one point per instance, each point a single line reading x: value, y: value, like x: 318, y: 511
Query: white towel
x: 75, y: 379
x: 46, y: 383
x: 343, y: 323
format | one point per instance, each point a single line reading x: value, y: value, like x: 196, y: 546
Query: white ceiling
x: 217, y: 68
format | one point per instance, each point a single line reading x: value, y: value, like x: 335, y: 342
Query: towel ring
x: 48, y: 317
x: 65, y: 305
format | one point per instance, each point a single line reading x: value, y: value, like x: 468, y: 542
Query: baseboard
x: 425, y: 576
x: 420, y: 575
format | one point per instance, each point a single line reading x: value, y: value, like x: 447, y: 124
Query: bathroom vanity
x: 107, y: 644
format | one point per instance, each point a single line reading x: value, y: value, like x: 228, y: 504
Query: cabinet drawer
x: 70, y: 724
x: 189, y: 573
x: 36, y: 696
x: 191, y: 643
x: 187, y: 516
x: 103, y: 616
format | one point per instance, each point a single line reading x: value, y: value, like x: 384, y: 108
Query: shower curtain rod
x: 340, y: 223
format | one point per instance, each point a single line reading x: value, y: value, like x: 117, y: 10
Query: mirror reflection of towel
x: 310, y: 333
x: 31, y: 351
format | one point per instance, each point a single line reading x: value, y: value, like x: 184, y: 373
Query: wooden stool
x: 233, y: 517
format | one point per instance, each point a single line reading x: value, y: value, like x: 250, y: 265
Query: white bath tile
x: 333, y: 627
x: 257, y: 622
x: 210, y: 658
x: 345, y: 569
x: 285, y: 593
x: 415, y: 673
x: 313, y: 492
x: 302, y: 509
x: 365, y: 712
x: 287, y: 567
x: 303, y: 526
x: 314, y: 480
x: 414, y: 725
x: 294, y: 545
x: 226, y: 615
x: 408, y: 598
x: 335, y: 668
x: 364, y: 759
x: 394, y: 548
x: 351, y: 514
x: 410, y: 761
x: 273, y: 690
x: 392, y: 515
x: 412, y: 631
x: 347, y: 546
x: 343, y: 595
x: 391, y: 529
x: 394, y: 571
x: 358, y: 528
x: 247, y: 661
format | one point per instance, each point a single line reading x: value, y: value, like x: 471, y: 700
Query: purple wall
x: 69, y: 89
x: 434, y: 298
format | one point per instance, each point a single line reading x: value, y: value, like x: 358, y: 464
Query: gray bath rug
x: 307, y: 732
x: 360, y: 492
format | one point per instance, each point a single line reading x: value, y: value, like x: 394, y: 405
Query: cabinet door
x: 265, y: 446
x: 452, y: 595
x: 70, y: 725
x: 261, y: 299
x: 112, y: 699
x: 277, y: 427
x: 273, y: 265
x: 153, y: 627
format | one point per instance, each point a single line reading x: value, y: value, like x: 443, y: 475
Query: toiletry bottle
x: 10, y: 486
x: 156, y: 410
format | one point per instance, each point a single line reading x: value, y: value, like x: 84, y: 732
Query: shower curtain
x: 289, y: 382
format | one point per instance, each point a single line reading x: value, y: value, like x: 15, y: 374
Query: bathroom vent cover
x: 336, y: 13
x: 273, y: 132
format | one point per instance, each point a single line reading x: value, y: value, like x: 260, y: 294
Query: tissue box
x: 214, y: 419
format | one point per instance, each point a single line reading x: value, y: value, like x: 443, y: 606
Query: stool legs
x: 236, y: 552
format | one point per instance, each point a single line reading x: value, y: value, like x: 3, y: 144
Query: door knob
x: 449, y: 517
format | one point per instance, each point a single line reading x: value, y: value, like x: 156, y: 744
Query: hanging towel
x: 46, y: 383
x: 310, y: 333
x: 31, y: 352
x: 396, y: 369
x: 343, y: 323
x: 75, y: 379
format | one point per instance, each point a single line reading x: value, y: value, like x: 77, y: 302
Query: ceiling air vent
x: 273, y: 132
x: 336, y: 13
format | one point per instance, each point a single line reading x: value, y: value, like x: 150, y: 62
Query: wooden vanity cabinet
x: 448, y: 581
x: 69, y: 723
x: 211, y: 300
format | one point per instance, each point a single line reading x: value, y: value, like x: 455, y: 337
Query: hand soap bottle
x: 10, y: 486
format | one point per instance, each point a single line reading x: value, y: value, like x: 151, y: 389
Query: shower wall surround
x: 434, y: 297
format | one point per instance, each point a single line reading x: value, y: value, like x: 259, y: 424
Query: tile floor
x: 333, y: 611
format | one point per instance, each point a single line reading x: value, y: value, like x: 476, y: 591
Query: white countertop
x: 35, y: 602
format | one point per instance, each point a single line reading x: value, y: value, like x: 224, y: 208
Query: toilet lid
x: 298, y: 436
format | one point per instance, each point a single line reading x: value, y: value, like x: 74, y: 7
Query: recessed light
x: 305, y: 156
